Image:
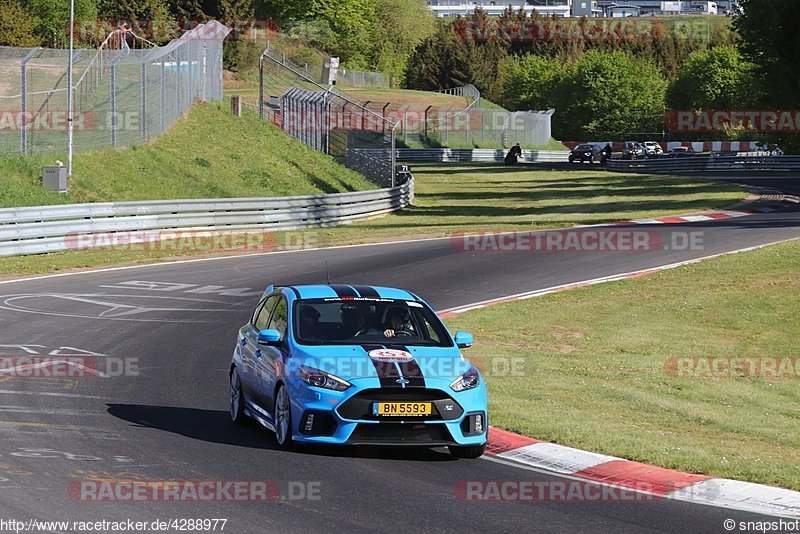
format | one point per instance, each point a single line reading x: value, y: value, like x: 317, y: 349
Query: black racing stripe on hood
x: 387, y: 371
x: 411, y: 371
x: 367, y: 292
x: 344, y: 291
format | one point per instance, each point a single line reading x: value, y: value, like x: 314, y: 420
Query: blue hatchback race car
x: 357, y: 365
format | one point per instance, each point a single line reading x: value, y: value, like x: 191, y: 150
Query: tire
x: 467, y: 452
x: 236, y: 406
x: 283, y: 418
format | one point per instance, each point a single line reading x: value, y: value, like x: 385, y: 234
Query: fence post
x: 162, y: 103
x: 447, y: 125
x: 113, y: 98
x: 204, y: 81
x: 143, y: 101
x: 405, y: 125
x: 23, y: 107
x: 383, y: 122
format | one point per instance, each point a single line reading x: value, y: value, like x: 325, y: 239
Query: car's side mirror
x: 463, y: 340
x: 269, y: 337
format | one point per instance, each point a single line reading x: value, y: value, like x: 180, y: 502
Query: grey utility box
x: 54, y: 178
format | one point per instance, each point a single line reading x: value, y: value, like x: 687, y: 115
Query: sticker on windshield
x: 390, y: 355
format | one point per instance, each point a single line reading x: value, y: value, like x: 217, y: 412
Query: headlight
x: 468, y: 380
x: 321, y: 379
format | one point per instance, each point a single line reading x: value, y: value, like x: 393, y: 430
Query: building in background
x: 495, y: 8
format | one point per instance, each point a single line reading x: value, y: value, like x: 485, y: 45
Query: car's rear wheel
x: 237, y: 402
x: 467, y: 451
x: 283, y: 418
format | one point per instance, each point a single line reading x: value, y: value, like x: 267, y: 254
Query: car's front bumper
x: 344, y: 417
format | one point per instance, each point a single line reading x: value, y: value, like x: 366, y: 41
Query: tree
x: 768, y: 38
x: 400, y: 26
x: 149, y: 18
x: 531, y: 82
x: 610, y: 95
x: 17, y: 26
x: 439, y: 62
x: 718, y: 78
x: 53, y: 18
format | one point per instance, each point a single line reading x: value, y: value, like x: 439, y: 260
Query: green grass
x: 208, y: 154
x: 468, y: 198
x: 593, y: 366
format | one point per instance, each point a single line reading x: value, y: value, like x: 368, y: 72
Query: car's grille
x: 359, y: 406
x: 401, y: 434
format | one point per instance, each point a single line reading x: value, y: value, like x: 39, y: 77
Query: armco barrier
x: 464, y: 155
x: 709, y: 164
x: 41, y: 229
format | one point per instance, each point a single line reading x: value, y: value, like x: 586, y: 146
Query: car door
x: 272, y: 357
x: 251, y: 349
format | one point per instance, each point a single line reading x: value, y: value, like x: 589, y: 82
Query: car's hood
x: 373, y: 361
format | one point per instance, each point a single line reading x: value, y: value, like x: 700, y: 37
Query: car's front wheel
x: 237, y: 402
x: 283, y: 418
x: 467, y: 451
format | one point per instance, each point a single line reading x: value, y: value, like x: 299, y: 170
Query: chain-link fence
x: 324, y: 118
x: 361, y: 78
x: 125, y: 92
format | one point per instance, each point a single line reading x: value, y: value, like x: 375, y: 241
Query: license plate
x: 402, y: 408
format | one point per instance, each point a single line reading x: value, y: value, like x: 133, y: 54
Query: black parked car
x: 583, y: 153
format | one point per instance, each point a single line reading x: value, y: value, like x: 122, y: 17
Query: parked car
x: 585, y: 152
x: 652, y: 149
x: 680, y: 152
x: 633, y: 150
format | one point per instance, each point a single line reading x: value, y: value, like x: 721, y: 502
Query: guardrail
x: 42, y: 229
x: 464, y: 155
x: 708, y: 164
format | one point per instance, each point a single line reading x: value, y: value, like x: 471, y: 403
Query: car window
x: 380, y: 322
x: 261, y: 317
x: 280, y: 318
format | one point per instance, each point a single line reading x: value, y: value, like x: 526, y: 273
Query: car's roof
x: 321, y: 291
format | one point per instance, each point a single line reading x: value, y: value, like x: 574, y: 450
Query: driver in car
x: 398, y: 322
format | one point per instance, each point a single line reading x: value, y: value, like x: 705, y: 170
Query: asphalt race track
x: 168, y: 419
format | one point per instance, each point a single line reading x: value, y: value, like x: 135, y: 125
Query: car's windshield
x: 347, y: 321
x: 584, y: 147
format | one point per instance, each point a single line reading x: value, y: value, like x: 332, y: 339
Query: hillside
x: 207, y: 154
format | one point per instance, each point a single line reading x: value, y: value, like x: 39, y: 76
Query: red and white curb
x: 449, y: 312
x: 618, y: 472
x: 695, y: 217
x: 666, y: 483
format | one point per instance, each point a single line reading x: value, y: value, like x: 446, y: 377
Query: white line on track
x: 611, y: 278
x: 49, y: 394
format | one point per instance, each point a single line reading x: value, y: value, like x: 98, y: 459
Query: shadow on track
x: 215, y: 426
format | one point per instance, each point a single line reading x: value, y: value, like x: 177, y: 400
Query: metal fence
x: 465, y: 155
x: 468, y: 90
x: 323, y: 117
x: 41, y: 229
x: 126, y: 91
x: 361, y: 78
x: 709, y: 164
